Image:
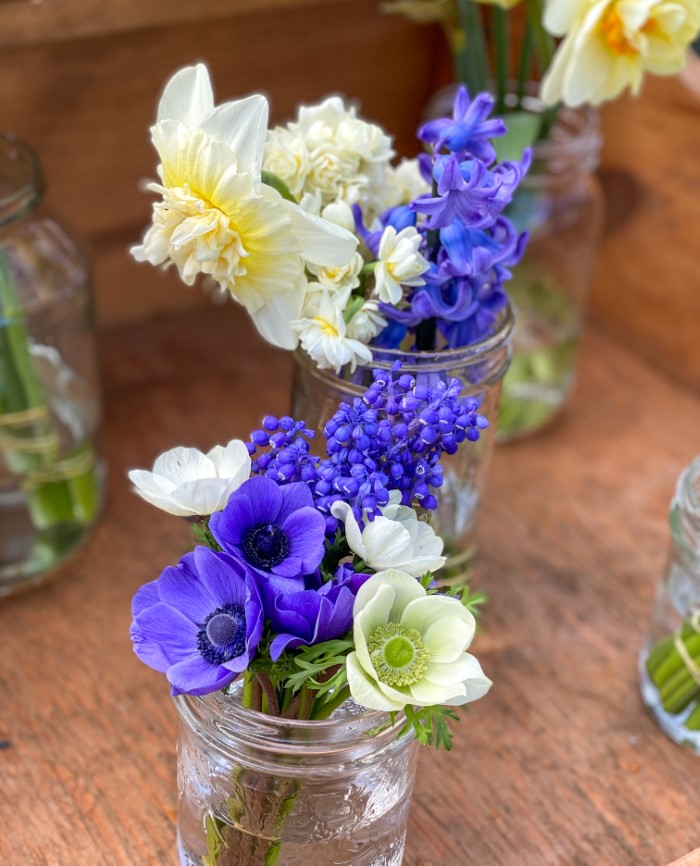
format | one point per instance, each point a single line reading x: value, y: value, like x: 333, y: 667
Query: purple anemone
x: 200, y: 623
x: 275, y: 530
x: 315, y: 615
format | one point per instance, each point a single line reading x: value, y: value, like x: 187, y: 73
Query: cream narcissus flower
x: 610, y: 44
x: 367, y: 323
x: 323, y: 332
x: 187, y: 483
x: 331, y: 151
x: 410, y: 647
x: 399, y: 263
x: 396, y: 538
x: 215, y: 215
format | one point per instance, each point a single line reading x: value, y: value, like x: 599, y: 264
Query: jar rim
x: 447, y: 359
x: 21, y: 179
x: 222, y: 720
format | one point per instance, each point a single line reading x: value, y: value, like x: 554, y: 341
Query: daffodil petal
x: 242, y: 125
x: 187, y: 96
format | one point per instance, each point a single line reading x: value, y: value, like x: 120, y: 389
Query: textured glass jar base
x: 344, y: 851
x: 262, y: 791
x: 674, y: 726
x: 29, y: 556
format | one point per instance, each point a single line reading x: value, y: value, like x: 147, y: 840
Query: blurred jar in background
x: 50, y: 481
x: 560, y: 205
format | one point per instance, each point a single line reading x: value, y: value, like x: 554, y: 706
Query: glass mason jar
x: 50, y: 485
x: 670, y: 659
x: 560, y: 205
x: 481, y: 368
x: 257, y: 790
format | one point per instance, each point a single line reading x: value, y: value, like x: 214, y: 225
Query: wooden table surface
x: 558, y: 765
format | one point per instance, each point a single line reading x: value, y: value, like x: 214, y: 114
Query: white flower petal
x: 343, y: 512
x: 184, y: 464
x: 447, y: 638
x: 232, y: 460
x: 404, y: 587
x: 187, y: 96
x: 387, y: 543
x: 365, y: 691
x: 242, y: 125
x: 426, y: 694
x: 424, y: 612
x: 322, y: 242
x: 273, y: 320
x: 201, y: 497
x: 165, y: 503
x: 156, y: 485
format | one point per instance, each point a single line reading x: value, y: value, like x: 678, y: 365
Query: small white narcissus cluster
x: 188, y: 483
x: 410, y: 647
x: 331, y: 151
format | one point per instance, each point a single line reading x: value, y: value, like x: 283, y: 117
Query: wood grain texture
x: 86, y: 105
x: 27, y: 22
x: 646, y: 287
x: 558, y: 765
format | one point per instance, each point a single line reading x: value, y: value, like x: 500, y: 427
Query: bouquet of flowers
x: 321, y: 237
x: 309, y: 597
x: 313, y: 578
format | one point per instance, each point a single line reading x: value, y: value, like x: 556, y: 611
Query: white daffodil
x: 188, y: 483
x: 215, y: 216
x: 348, y: 158
x: 323, y: 332
x: 367, y: 323
x: 399, y: 263
x: 396, y: 539
x: 610, y: 44
x: 341, y: 279
x: 410, y: 647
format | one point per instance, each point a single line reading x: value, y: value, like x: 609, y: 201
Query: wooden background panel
x: 86, y: 106
x: 29, y: 22
x: 647, y: 288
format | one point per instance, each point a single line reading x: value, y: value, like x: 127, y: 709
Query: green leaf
x: 276, y: 182
x: 523, y: 131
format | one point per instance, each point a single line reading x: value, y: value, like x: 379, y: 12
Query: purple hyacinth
x: 275, y: 530
x: 315, y: 615
x: 469, y: 131
x: 200, y: 623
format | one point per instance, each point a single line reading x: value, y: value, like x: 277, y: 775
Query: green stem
x: 543, y: 42
x: 693, y: 720
x: 472, y: 23
x: 525, y: 66
x: 674, y: 663
x: 458, y: 46
x: 658, y: 655
x: 501, y: 45
x: 332, y: 705
x: 247, y: 696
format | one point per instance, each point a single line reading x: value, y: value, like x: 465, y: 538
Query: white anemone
x: 188, y: 483
x: 396, y: 539
x: 410, y: 647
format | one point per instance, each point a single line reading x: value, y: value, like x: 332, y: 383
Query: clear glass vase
x: 481, y: 368
x: 670, y: 659
x: 50, y: 482
x: 256, y: 790
x: 560, y: 205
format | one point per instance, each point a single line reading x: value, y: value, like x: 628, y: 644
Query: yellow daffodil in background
x: 215, y: 215
x: 609, y: 45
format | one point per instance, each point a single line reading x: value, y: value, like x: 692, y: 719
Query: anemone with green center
x: 398, y: 654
